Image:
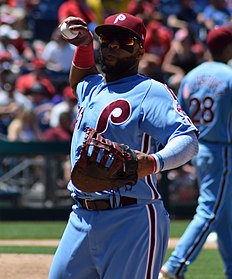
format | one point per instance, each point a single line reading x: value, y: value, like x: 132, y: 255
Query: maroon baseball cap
x: 219, y: 37
x: 123, y: 22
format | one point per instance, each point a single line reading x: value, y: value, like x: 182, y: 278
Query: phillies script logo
x: 120, y: 17
x: 116, y: 112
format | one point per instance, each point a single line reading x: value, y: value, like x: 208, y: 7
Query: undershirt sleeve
x: 178, y: 151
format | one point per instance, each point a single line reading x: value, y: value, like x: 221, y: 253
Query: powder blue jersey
x: 135, y: 110
x: 206, y: 96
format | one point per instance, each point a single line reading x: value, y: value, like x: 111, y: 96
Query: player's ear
x: 141, y: 52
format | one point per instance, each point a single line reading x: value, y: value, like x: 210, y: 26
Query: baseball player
x: 206, y: 96
x: 121, y: 233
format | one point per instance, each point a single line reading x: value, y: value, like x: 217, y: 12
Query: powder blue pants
x: 214, y: 211
x: 127, y: 242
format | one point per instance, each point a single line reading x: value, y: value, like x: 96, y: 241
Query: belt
x: 104, y: 204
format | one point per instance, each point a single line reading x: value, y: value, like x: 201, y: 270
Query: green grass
x: 31, y: 230
x: 178, y: 227
x: 54, y: 230
x: 27, y: 250
x: 208, y: 265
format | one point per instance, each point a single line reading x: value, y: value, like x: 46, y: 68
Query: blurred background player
x: 206, y: 96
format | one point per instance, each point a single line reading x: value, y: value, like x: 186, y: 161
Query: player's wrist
x: 83, y: 57
x: 157, y: 162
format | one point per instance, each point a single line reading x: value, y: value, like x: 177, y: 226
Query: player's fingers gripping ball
x: 104, y: 165
x: 75, y: 31
x: 66, y: 32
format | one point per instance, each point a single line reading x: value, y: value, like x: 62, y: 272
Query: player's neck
x: 113, y: 77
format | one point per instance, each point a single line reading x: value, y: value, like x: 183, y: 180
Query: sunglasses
x: 122, y: 40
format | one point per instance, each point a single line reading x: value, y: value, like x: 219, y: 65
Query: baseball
x: 66, y: 32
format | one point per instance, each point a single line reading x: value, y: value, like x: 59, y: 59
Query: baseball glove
x: 103, y: 164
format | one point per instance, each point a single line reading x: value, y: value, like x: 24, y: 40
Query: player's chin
x: 108, y: 65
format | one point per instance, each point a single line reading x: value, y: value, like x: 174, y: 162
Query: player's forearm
x: 174, y: 154
x: 83, y: 64
x: 77, y: 74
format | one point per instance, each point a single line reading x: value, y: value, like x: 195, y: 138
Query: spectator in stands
x: 42, y: 104
x: 43, y: 19
x: 36, y: 74
x: 69, y: 104
x: 38, y: 47
x: 217, y: 13
x: 5, y: 67
x: 8, y: 92
x: 24, y: 49
x: 201, y: 4
x: 24, y: 127
x: 13, y: 25
x: 16, y: 12
x: 183, y: 55
x: 168, y: 7
x: 5, y: 59
x: 186, y: 17
x: 11, y: 101
x: 77, y: 8
x: 145, y: 9
x: 157, y: 44
x: 7, y: 35
x: 137, y: 7
x: 58, y: 55
x: 64, y: 130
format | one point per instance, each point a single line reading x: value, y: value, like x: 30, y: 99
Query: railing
x: 33, y: 173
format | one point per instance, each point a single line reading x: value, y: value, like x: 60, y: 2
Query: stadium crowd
x: 35, y: 97
x: 36, y: 102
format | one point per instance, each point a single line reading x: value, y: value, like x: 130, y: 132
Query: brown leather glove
x: 104, y: 165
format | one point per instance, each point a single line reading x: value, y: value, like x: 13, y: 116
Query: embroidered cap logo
x: 133, y: 25
x: 120, y: 17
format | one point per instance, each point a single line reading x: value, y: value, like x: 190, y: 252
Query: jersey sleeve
x: 183, y: 96
x: 161, y: 115
x: 87, y: 85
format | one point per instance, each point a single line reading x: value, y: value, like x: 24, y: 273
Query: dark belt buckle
x: 86, y: 204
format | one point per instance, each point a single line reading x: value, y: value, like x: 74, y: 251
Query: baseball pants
x: 127, y: 242
x: 214, y: 211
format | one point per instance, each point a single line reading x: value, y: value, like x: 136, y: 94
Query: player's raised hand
x: 75, y: 31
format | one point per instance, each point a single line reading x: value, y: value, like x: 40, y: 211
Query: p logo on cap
x: 119, y: 17
x: 123, y: 22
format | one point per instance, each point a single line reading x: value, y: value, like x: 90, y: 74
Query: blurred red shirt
x: 77, y: 9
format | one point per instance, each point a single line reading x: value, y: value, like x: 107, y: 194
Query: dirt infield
x: 24, y: 266
x: 28, y: 266
x: 54, y: 243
